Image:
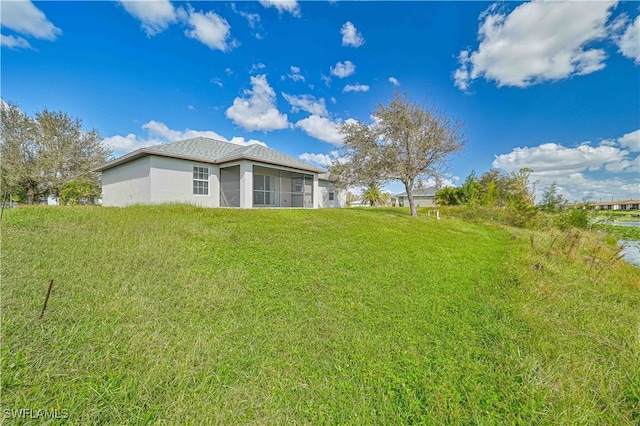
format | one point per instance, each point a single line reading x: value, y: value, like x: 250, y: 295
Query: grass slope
x: 361, y: 316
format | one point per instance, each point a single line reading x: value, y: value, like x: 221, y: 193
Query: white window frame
x: 198, y: 177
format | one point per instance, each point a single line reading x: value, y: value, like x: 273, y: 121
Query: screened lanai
x: 281, y: 188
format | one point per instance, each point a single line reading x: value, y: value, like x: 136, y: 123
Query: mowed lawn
x: 177, y: 314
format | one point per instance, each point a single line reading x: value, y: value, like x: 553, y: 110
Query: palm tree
x: 374, y: 195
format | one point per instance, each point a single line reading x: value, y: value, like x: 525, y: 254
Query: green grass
x: 619, y: 215
x: 176, y: 314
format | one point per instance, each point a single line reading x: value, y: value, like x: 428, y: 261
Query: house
x: 617, y: 205
x: 213, y: 173
x: 422, y: 197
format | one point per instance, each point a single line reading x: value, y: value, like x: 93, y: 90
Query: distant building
x: 422, y: 197
x: 617, y: 205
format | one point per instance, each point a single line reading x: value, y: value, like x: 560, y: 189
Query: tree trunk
x: 412, y: 206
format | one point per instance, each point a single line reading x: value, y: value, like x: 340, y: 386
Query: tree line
x: 48, y: 154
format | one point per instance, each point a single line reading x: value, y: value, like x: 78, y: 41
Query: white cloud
x: 161, y: 133
x: 252, y: 18
x: 155, y: 16
x: 351, y: 36
x: 322, y: 128
x: 343, y: 69
x: 355, y: 88
x: 217, y: 82
x: 326, y: 79
x: 394, y: 81
x: 290, y: 6
x: 257, y: 67
x: 607, y: 170
x: 14, y: 42
x: 581, y: 186
x: 631, y: 141
x: 629, y: 42
x: 295, y: 74
x: 538, y: 41
x: 23, y: 17
x: 307, y: 103
x: 211, y: 30
x: 257, y: 110
x: 321, y: 159
x: 125, y: 144
x: 551, y: 156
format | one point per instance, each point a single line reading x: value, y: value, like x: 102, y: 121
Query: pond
x: 631, y: 249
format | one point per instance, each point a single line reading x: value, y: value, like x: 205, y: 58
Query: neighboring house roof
x: 420, y: 192
x: 213, y: 151
x: 606, y: 203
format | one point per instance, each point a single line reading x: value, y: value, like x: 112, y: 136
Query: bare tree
x: 407, y: 142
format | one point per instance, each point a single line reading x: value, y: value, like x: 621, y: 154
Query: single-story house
x: 422, y: 197
x: 618, y: 205
x: 213, y: 173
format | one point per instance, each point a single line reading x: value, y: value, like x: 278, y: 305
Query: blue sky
x: 554, y: 86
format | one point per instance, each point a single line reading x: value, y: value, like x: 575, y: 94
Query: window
x: 331, y: 195
x: 200, y: 180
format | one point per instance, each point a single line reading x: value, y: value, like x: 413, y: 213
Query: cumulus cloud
x: 159, y: 132
x: 355, y: 88
x: 295, y: 74
x: 551, y: 156
x: 351, y: 36
x: 586, y: 171
x: 307, y: 103
x: 207, y: 27
x: 24, y: 18
x: 394, y: 81
x: 321, y: 159
x: 538, y: 41
x: 257, y: 110
x: 211, y: 30
x: 631, y: 141
x: 290, y: 6
x: 629, y: 41
x: 14, y: 42
x: 343, y: 69
x: 155, y: 16
x: 322, y: 128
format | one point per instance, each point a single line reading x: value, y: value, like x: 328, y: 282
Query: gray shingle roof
x: 214, y: 151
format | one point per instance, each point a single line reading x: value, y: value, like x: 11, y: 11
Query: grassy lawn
x: 176, y: 314
x: 619, y: 215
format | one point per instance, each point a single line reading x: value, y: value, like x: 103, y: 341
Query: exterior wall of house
x: 171, y: 181
x: 339, y: 195
x: 419, y: 201
x: 156, y: 179
x: 127, y: 184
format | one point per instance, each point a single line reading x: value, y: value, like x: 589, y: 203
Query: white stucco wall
x: 339, y: 199
x: 172, y: 182
x: 419, y: 201
x: 127, y: 184
x: 155, y: 179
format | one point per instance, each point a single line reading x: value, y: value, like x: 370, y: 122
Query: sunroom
x: 266, y: 187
